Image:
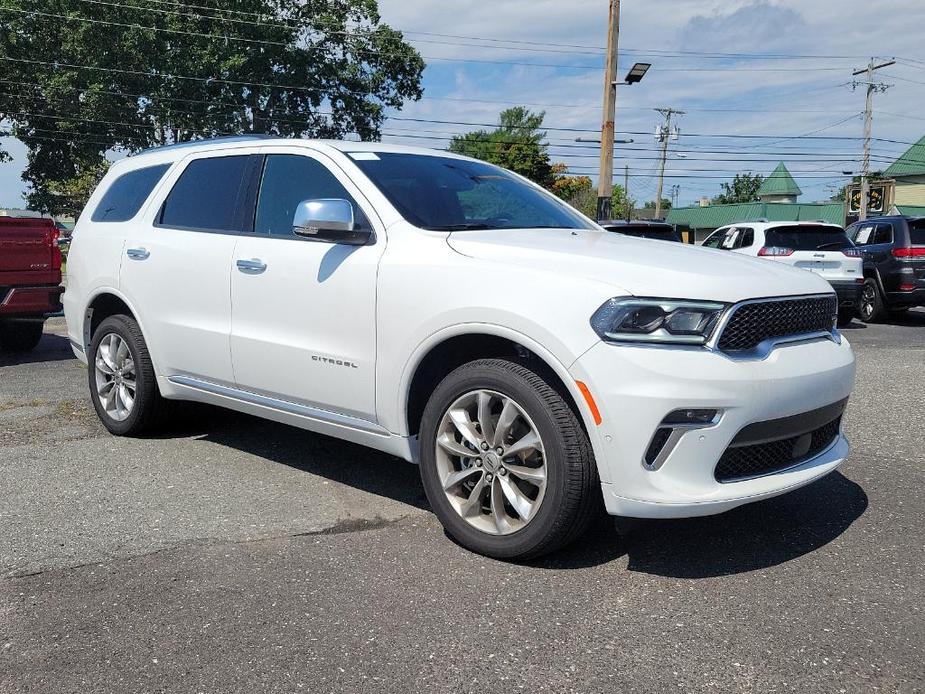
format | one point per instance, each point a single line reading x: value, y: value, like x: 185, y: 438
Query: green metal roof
x: 912, y: 163
x: 716, y: 216
x: 780, y: 182
x: 912, y: 210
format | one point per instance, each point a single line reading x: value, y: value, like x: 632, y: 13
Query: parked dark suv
x: 894, y: 264
x: 660, y: 231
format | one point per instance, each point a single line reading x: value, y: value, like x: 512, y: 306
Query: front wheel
x: 871, y: 308
x: 505, y: 463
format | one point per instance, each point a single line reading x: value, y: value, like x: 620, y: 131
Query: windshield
x: 808, y: 238
x: 446, y: 194
x: 659, y: 233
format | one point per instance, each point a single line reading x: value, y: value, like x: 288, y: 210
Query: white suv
x: 824, y: 249
x: 454, y: 314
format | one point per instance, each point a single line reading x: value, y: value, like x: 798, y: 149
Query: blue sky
x: 722, y: 95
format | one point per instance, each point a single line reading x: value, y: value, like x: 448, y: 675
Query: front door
x: 304, y: 312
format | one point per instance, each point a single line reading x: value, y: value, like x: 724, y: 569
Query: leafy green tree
x: 516, y: 144
x: 666, y: 204
x: 83, y: 79
x: 744, y: 188
x: 585, y: 201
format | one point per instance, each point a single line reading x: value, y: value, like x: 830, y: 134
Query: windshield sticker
x: 364, y: 156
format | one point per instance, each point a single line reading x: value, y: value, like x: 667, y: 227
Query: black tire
x: 20, y: 335
x: 845, y: 316
x: 871, y: 307
x: 573, y: 494
x: 149, y: 411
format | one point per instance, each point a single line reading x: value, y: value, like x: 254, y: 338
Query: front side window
x: 206, y: 196
x: 289, y: 179
x: 447, y: 194
x: 128, y: 193
x: 715, y: 240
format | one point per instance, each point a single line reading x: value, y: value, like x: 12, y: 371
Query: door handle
x: 253, y: 266
x: 138, y: 253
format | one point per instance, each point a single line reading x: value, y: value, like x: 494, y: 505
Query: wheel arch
x: 103, y: 303
x: 453, y: 347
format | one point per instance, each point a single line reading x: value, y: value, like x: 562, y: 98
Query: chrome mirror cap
x: 318, y: 218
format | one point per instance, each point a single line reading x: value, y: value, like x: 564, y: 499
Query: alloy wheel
x: 116, y: 383
x: 491, y: 462
x: 868, y: 297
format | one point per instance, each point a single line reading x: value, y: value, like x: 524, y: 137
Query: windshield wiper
x: 830, y: 245
x: 462, y: 227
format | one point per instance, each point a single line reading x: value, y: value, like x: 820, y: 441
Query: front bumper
x: 636, y: 387
x: 848, y: 293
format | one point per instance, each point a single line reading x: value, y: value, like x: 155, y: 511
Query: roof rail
x: 206, y: 141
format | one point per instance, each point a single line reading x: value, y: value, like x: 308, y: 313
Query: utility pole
x: 868, y: 127
x: 605, y: 182
x: 626, y: 192
x: 664, y: 134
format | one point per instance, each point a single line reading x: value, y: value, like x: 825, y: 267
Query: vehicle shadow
x: 51, y: 348
x: 339, y: 461
x: 751, y: 537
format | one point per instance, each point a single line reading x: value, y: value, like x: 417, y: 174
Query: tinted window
x: 643, y: 231
x: 127, y: 194
x: 917, y: 232
x: 716, y: 239
x: 442, y: 193
x: 809, y: 237
x: 206, y: 195
x: 288, y: 179
x: 747, y: 239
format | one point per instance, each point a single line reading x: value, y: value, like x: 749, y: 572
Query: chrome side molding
x: 284, y: 406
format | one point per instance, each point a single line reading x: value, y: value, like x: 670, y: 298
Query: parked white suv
x: 454, y: 314
x: 824, y: 249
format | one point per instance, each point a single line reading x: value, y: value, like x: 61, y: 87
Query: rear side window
x: 872, y: 234
x: 127, y: 194
x: 206, y: 196
x: 917, y: 232
x: 808, y: 238
x: 289, y: 179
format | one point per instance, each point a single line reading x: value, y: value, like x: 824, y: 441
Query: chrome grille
x: 753, y: 323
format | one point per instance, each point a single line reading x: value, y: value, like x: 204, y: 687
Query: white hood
x: 640, y: 267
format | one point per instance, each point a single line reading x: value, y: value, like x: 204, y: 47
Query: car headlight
x: 660, y: 321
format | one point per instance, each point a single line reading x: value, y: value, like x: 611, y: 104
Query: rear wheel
x: 20, y: 335
x: 505, y: 463
x: 871, y: 308
x: 123, y: 387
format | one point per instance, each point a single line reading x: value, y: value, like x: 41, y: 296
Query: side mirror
x: 328, y: 221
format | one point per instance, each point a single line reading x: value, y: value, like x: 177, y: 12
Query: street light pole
x: 605, y: 182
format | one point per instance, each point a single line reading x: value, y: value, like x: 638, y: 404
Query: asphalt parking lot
x: 236, y: 555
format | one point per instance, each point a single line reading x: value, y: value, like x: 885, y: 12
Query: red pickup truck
x: 30, y: 280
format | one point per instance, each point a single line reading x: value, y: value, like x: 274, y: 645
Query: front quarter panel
x: 428, y: 292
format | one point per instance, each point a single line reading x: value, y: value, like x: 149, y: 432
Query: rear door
x: 875, y: 241
x: 176, y: 268
x: 822, y: 249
